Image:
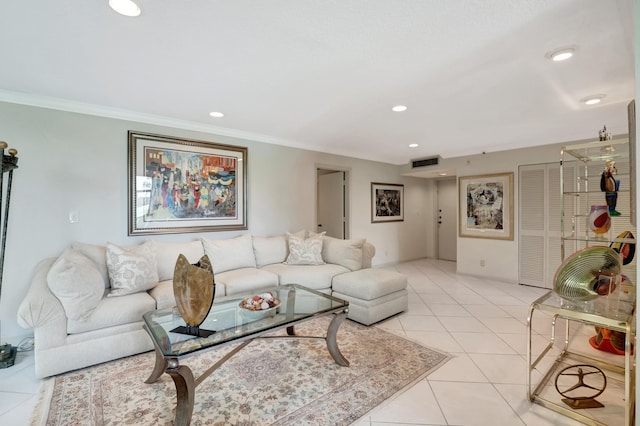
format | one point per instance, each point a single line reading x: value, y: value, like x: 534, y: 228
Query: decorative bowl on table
x: 259, y: 306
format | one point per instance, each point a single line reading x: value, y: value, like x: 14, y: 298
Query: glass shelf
x: 614, y: 316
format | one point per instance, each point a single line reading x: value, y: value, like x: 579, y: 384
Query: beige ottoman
x: 373, y: 294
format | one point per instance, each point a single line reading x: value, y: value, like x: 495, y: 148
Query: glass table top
x: 612, y: 312
x: 232, y: 323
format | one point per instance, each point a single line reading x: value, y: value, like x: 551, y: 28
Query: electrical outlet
x: 482, y: 263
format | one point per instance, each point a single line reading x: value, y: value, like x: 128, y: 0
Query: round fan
x: 587, y: 273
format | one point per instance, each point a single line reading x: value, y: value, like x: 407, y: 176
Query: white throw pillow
x: 230, y: 254
x: 99, y: 256
x: 305, y: 251
x: 347, y: 253
x: 270, y: 250
x: 167, y: 255
x: 76, y: 281
x: 131, y: 269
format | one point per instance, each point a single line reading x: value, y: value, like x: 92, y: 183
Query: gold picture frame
x: 486, y: 206
x: 181, y: 185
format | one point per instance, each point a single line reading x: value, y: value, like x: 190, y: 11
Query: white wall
x: 70, y: 161
x: 500, y: 256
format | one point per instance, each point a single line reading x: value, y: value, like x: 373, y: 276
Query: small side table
x: 620, y: 316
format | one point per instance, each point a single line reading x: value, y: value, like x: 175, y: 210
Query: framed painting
x: 486, y: 206
x: 180, y: 185
x: 387, y: 202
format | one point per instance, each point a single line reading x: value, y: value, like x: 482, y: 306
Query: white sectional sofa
x: 85, y: 306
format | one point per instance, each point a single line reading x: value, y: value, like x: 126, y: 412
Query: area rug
x: 269, y: 382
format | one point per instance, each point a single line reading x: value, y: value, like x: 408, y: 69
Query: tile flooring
x: 481, y: 322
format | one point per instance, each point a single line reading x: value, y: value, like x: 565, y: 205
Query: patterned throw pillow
x: 131, y: 269
x: 305, y: 251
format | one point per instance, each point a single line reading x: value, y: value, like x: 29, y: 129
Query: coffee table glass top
x: 233, y: 323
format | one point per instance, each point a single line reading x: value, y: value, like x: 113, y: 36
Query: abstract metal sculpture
x: 194, y: 290
x: 576, y: 377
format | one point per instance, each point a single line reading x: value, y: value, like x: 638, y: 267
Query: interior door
x: 447, y: 219
x: 331, y: 211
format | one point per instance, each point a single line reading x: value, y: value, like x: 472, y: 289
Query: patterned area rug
x: 270, y: 382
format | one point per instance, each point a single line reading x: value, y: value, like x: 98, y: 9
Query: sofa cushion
x: 305, y: 251
x: 347, y: 253
x: 368, y: 312
x: 75, y: 280
x: 270, y: 250
x: 164, y: 297
x: 245, y: 280
x: 167, y: 255
x: 131, y: 269
x: 232, y: 253
x: 316, y: 277
x: 112, y: 311
x: 98, y: 254
x: 369, y: 284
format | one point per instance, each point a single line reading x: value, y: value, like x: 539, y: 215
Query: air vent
x: 425, y: 162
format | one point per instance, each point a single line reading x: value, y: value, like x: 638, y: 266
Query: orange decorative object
x: 609, y: 341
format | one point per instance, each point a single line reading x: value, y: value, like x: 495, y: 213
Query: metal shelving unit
x: 615, y: 311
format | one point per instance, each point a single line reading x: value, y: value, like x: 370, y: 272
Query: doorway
x: 331, y: 202
x: 447, y: 219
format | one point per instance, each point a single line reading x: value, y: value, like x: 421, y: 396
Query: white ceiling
x: 324, y: 75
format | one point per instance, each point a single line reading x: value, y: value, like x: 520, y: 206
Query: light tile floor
x: 481, y: 322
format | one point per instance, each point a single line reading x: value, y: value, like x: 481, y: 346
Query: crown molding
x: 128, y: 115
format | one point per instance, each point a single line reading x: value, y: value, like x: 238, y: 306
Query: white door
x: 447, y: 219
x: 331, y: 213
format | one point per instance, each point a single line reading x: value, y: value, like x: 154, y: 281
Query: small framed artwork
x: 387, y: 202
x: 180, y: 185
x: 486, y: 206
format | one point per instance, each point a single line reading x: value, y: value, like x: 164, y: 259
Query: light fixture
x: 442, y: 174
x: 125, y: 7
x: 592, y: 100
x: 413, y: 145
x: 216, y: 114
x: 399, y: 108
x: 561, y: 54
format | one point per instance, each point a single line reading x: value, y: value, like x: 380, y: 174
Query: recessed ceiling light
x: 413, y: 145
x: 399, y: 108
x: 125, y: 7
x: 592, y: 100
x: 561, y: 54
x: 216, y: 114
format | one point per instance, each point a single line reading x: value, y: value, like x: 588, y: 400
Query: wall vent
x: 425, y: 162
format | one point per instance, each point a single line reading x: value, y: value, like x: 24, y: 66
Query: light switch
x: 74, y: 216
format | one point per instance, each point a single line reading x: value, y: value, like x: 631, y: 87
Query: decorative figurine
x: 603, y: 135
x: 575, y: 377
x: 610, y: 186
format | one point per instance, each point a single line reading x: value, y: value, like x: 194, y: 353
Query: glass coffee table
x: 231, y: 324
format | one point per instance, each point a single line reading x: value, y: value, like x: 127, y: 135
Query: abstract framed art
x: 181, y: 185
x: 486, y: 206
x: 387, y: 202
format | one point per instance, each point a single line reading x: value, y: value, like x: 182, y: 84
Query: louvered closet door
x: 540, y: 221
x: 554, y: 216
x: 531, y: 208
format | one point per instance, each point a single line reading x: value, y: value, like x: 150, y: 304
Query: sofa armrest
x: 40, y: 306
x: 368, y: 251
